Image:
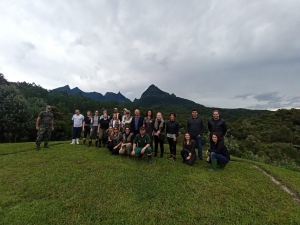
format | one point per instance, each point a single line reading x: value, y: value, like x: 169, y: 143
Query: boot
x: 99, y: 145
x: 213, y: 165
x: 77, y: 141
x: 73, y: 142
x: 46, y: 145
x: 162, y: 153
x: 149, y: 159
x: 83, y: 142
x: 37, y: 147
x: 90, y: 143
x: 96, y: 144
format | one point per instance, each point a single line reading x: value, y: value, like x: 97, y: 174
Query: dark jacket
x: 219, y: 148
x: 140, y: 124
x: 195, y: 126
x: 172, y: 127
x: 218, y: 126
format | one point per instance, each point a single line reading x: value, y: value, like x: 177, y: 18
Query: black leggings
x: 161, y: 144
x: 172, y: 146
x: 87, y: 130
x: 191, y: 161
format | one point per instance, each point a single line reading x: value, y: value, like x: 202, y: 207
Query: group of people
x: 134, y: 135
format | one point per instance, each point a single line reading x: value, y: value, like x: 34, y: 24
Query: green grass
x: 77, y: 185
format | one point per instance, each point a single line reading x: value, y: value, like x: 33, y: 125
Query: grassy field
x: 78, y: 185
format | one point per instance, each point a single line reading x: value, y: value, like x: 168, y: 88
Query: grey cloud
x: 221, y: 54
x: 268, y: 97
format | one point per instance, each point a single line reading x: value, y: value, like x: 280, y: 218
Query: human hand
x: 52, y: 128
x: 37, y: 127
x: 143, y: 151
x: 174, y: 139
x: 132, y: 153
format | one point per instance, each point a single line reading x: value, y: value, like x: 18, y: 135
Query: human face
x: 142, y: 132
x: 127, y: 130
x: 48, y: 109
x: 187, y: 137
x: 172, y: 117
x: 116, y: 130
x: 96, y: 112
x: 158, y: 116
x: 214, y: 138
x: 137, y: 112
x: 77, y: 112
x: 149, y: 113
x: 105, y: 115
x: 110, y: 129
x: 194, y: 114
x: 216, y: 115
x: 88, y: 113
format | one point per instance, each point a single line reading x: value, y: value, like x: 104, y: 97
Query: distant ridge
x: 109, y: 96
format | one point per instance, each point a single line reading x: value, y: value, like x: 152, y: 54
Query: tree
x: 15, y: 116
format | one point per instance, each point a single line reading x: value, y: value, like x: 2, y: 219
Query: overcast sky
x: 230, y: 54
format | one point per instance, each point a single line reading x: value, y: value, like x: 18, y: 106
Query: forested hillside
x: 271, y: 137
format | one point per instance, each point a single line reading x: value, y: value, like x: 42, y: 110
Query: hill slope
x: 89, y: 186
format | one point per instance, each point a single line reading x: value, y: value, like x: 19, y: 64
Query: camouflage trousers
x: 43, y: 134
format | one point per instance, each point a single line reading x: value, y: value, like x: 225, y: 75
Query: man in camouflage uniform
x: 44, y: 126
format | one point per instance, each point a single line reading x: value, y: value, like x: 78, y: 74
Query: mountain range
x: 109, y: 96
x: 153, y: 95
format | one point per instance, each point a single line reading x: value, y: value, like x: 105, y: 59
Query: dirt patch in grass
x: 284, y: 187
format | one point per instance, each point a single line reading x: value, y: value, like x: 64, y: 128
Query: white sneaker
x: 77, y: 141
x: 73, y: 142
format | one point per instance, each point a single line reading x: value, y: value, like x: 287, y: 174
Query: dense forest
x: 270, y: 137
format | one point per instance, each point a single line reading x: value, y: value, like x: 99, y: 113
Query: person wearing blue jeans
x: 195, y: 127
x: 218, y: 152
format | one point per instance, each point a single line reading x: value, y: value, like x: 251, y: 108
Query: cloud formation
x: 214, y: 53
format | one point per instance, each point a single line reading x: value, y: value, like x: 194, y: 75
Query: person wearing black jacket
x: 217, y: 124
x: 195, y: 127
x: 218, y: 152
x: 159, y: 134
x: 172, y: 130
x: 136, y: 123
x: 188, y: 153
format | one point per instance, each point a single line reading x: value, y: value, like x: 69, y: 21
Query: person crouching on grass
x: 126, y: 145
x: 141, y: 144
x: 115, y: 141
x: 218, y: 153
x: 188, y: 153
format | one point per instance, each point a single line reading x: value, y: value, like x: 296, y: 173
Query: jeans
x: 198, y: 141
x: 76, y: 132
x: 220, y: 158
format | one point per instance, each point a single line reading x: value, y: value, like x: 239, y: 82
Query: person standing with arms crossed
x: 195, y: 127
x: 44, y: 125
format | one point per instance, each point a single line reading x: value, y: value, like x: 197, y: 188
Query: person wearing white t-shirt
x: 77, y: 126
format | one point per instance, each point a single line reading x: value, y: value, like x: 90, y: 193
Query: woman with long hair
x: 115, y: 122
x: 188, y: 153
x: 218, y: 153
x: 86, y: 128
x: 172, y: 130
x: 159, y: 134
x: 148, y: 123
x: 115, y: 141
